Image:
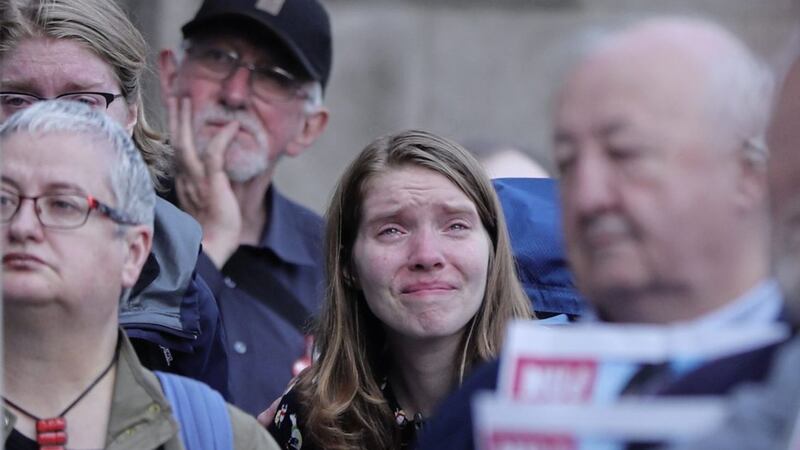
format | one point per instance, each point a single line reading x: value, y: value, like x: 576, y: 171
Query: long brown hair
x: 103, y: 28
x: 344, y: 405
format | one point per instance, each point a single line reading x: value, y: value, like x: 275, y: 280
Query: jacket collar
x: 140, y: 414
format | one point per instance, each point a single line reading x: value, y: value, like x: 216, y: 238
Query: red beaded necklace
x: 51, y: 434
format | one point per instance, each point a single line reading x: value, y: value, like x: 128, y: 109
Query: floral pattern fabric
x: 287, y: 425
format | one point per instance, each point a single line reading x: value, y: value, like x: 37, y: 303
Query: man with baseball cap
x: 244, y: 90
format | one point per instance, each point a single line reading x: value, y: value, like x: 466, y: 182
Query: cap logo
x: 270, y: 6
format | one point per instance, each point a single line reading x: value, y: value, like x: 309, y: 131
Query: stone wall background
x: 466, y: 69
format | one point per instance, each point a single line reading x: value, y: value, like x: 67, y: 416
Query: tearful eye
x: 389, y: 231
x: 459, y: 226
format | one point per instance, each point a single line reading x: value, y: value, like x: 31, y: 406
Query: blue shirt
x: 267, y: 296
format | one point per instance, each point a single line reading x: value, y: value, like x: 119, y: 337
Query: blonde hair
x: 340, y: 393
x: 103, y: 28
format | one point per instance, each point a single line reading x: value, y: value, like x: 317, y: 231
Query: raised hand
x: 201, y: 184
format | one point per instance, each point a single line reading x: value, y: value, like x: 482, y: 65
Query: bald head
x: 656, y: 131
x: 699, y: 60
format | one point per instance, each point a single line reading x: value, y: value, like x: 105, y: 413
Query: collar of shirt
x: 285, y: 233
x: 761, y: 304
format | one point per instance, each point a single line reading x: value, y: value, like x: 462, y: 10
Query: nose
x: 25, y: 224
x: 236, y: 88
x: 589, y: 188
x: 426, y: 251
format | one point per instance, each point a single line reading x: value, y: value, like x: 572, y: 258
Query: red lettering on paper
x: 520, y: 440
x: 549, y: 380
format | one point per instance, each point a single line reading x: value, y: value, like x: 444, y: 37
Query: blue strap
x: 201, y: 412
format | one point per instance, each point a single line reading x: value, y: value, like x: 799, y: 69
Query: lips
x: 21, y: 260
x: 427, y: 287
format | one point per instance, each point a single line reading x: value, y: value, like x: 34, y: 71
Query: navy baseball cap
x: 302, y: 26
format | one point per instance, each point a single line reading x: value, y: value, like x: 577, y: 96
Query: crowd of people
x: 159, y: 292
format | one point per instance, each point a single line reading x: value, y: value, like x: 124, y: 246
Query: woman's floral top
x: 287, y: 427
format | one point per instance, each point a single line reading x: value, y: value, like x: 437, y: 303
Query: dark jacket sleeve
x: 171, y: 315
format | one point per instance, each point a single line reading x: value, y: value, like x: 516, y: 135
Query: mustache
x: 246, y: 122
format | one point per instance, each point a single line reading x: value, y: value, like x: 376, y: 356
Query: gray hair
x: 128, y: 175
x: 313, y: 91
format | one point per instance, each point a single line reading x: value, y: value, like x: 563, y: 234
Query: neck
x: 48, y: 359
x: 423, y: 372
x: 250, y: 196
x: 707, y: 291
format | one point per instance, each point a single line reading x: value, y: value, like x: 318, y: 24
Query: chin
x: 14, y: 296
x: 245, y: 167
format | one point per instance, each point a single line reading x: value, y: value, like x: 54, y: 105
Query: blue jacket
x: 171, y: 314
x: 533, y: 219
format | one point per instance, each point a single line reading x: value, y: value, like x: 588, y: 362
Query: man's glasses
x: 61, y: 211
x: 268, y: 82
x: 11, y: 102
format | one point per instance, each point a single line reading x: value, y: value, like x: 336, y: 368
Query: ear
x: 138, y: 240
x: 312, y: 127
x: 167, y: 72
x: 133, y: 117
x: 752, y: 183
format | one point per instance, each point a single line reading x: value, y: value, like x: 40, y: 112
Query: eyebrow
x: 450, y: 208
x: 562, y: 136
x: 58, y: 186
x: 26, y: 86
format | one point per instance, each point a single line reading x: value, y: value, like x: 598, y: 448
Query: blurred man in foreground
x: 659, y: 139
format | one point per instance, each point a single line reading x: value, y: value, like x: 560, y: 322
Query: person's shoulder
x: 248, y: 433
x: 721, y: 376
x: 288, y: 424
x: 289, y: 409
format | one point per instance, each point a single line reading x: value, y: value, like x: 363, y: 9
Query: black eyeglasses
x: 11, y: 102
x: 60, y: 211
x: 268, y: 82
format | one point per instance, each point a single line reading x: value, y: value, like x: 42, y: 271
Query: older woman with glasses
x: 421, y: 286
x: 76, y: 219
x: 89, y: 52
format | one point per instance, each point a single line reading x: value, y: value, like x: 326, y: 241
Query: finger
x: 172, y: 112
x: 187, y: 195
x: 187, y: 154
x: 214, y: 157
